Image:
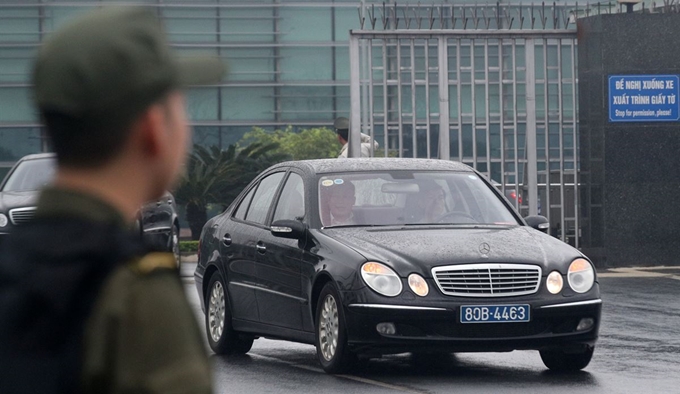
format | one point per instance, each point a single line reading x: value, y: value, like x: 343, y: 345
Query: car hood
x: 419, y: 249
x: 10, y: 200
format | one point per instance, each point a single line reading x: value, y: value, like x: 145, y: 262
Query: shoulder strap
x: 153, y: 261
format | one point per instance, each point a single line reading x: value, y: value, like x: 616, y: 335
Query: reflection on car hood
x: 10, y: 200
x: 418, y: 249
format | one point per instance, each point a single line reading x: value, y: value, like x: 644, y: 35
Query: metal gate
x: 476, y: 85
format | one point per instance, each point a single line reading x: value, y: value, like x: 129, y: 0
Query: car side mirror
x: 538, y: 222
x: 288, y: 229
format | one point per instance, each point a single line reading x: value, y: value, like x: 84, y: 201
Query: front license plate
x: 494, y: 313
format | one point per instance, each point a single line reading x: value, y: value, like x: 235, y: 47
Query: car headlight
x: 554, y: 282
x: 381, y: 278
x: 418, y: 285
x: 581, y: 275
x: 3, y: 220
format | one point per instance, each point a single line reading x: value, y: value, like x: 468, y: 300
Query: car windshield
x: 30, y: 175
x: 409, y: 198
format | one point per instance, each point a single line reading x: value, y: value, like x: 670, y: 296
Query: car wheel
x: 221, y: 336
x: 331, y: 334
x: 558, y: 360
x: 174, y: 246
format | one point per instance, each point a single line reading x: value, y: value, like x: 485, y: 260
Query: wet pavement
x: 638, y: 352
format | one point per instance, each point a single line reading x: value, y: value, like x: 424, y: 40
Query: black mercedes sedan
x: 366, y: 257
x: 157, y: 221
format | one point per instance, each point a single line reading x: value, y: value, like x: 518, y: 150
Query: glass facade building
x: 289, y: 65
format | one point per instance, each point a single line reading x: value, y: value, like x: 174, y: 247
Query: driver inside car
x: 428, y: 205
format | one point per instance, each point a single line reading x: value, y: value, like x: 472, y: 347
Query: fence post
x: 532, y: 167
x: 444, y: 137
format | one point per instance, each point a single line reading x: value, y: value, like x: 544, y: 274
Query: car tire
x: 174, y: 245
x: 221, y: 336
x: 331, y: 333
x: 560, y: 361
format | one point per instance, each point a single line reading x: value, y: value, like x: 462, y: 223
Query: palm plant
x: 215, y: 176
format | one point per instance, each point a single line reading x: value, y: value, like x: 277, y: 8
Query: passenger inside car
x: 339, y: 199
x: 426, y: 206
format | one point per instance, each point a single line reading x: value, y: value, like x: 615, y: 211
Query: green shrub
x: 188, y: 246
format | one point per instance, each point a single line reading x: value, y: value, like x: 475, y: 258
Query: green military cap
x: 113, y: 62
x: 341, y: 123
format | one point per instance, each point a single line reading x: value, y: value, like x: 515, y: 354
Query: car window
x: 369, y: 192
x: 291, y: 205
x: 243, y: 207
x: 409, y: 197
x: 31, y: 175
x: 257, y: 212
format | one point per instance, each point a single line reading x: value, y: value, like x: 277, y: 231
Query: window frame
x: 256, y: 187
x: 280, y: 193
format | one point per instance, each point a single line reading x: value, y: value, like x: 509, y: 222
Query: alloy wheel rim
x: 216, y: 312
x: 328, y: 328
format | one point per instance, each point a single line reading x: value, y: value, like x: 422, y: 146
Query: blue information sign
x: 644, y: 98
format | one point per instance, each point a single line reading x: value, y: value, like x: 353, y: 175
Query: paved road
x: 638, y: 352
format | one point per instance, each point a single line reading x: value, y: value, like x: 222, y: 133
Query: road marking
x: 278, y: 360
x: 381, y: 384
x: 363, y: 380
x: 348, y: 377
x: 307, y: 367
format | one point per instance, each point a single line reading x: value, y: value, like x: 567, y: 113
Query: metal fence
x: 494, y: 87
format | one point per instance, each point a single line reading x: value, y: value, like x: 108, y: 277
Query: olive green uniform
x: 83, y: 308
x: 141, y: 336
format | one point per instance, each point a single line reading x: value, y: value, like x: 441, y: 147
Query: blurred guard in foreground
x: 84, y: 307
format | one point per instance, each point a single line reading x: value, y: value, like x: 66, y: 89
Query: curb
x: 189, y: 257
x: 642, y: 272
x: 623, y: 272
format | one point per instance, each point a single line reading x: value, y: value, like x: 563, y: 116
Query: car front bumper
x: 438, y: 328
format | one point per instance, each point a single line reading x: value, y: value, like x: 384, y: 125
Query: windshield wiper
x: 359, y: 225
x: 492, y: 225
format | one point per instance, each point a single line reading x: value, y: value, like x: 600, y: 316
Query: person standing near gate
x: 341, y: 127
x: 84, y: 306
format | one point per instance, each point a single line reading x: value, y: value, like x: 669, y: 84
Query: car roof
x: 322, y: 166
x: 39, y: 156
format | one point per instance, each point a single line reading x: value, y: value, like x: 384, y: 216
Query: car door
x: 239, y: 245
x: 163, y: 208
x: 166, y: 210
x: 280, y: 299
x: 156, y: 221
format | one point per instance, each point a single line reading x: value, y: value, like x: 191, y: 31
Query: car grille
x: 21, y: 215
x: 496, y: 331
x: 487, y: 280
